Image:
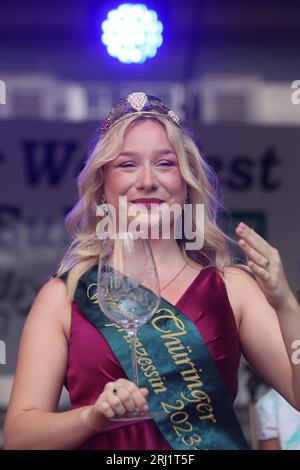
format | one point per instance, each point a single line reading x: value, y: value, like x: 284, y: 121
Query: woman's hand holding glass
x: 110, y: 404
x: 128, y: 293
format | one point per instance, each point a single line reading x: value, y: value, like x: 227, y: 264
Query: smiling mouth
x: 144, y: 202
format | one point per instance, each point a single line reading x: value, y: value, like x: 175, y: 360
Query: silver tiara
x: 138, y: 103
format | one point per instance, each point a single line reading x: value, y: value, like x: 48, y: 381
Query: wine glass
x: 128, y: 291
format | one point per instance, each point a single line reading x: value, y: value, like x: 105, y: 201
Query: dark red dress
x: 91, y: 362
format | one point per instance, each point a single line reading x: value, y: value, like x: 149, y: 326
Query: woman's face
x: 146, y: 167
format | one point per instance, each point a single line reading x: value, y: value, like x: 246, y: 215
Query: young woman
x: 144, y: 153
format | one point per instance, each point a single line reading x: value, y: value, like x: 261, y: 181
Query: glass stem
x: 132, y: 337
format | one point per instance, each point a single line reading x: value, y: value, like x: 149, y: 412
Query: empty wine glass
x: 128, y: 291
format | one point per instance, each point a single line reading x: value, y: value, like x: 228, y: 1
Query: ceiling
x: 63, y: 38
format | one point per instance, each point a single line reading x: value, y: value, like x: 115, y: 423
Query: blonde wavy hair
x: 81, y: 221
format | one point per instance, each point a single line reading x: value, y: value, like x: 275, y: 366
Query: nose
x: 146, y: 179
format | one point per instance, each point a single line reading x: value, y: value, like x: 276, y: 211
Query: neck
x: 166, y: 253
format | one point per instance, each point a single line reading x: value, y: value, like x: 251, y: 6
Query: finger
x: 106, y: 410
x: 145, y: 393
x: 126, y: 399
x: 122, y: 389
x: 116, y: 404
x: 255, y: 240
x: 258, y: 271
x: 138, y: 395
x: 139, y: 400
x: 253, y: 254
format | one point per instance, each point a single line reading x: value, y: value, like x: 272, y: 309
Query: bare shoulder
x: 239, y: 285
x: 55, y: 286
x: 53, y: 301
x: 238, y: 275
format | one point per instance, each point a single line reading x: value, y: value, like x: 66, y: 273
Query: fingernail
x: 145, y: 407
x: 242, y: 225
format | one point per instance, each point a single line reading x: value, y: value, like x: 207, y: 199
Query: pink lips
x: 148, y: 201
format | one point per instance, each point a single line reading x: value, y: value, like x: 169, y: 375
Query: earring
x: 103, y: 205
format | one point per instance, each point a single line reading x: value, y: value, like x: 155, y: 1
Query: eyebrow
x: 136, y: 154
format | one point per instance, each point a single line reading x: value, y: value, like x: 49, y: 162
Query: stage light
x: 132, y: 33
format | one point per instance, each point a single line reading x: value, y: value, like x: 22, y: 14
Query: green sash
x: 177, y: 369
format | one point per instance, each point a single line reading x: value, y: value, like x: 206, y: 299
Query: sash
x: 179, y: 372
